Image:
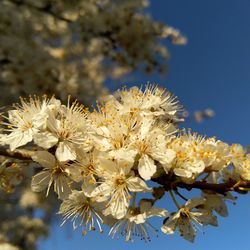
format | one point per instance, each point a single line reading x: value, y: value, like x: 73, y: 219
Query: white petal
x: 157, y: 212
x: 136, y: 184
x: 88, y: 187
x: 186, y: 229
x: 192, y: 203
x: 40, y: 119
x: 102, y: 190
x: 182, y: 172
x: 146, y: 167
x: 138, y: 219
x: 103, y: 130
x: 125, y: 166
x: 205, y: 217
x: 18, y: 138
x: 145, y: 127
x: 216, y: 202
x: 52, y: 123
x: 101, y: 144
x: 108, y: 166
x: 170, y: 225
x: 123, y: 155
x: 74, y: 173
x: 119, y: 208
x: 197, y: 167
x: 44, y: 158
x: 65, y: 151
x: 106, y: 212
x: 221, y: 209
x: 62, y: 187
x: 45, y: 140
x: 164, y: 156
x: 40, y: 181
x: 168, y: 228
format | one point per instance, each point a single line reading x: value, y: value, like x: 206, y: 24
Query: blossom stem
x: 174, y: 199
x: 179, y: 194
x: 133, y: 200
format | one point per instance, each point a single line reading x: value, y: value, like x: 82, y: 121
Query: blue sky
x: 212, y: 70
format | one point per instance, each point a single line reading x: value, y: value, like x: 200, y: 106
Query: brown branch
x: 222, y: 188
x: 20, y: 154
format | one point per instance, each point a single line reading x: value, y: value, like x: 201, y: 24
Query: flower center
x: 120, y: 181
x: 57, y: 170
x: 64, y: 134
x: 181, y: 155
x: 143, y: 147
x: 27, y: 126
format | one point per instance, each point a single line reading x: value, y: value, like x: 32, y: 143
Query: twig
x: 221, y: 188
x: 20, y: 154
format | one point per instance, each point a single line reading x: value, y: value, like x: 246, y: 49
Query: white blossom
x: 187, y: 218
x: 116, y: 186
x: 68, y: 132
x: 150, y: 145
x: 54, y: 172
x: 26, y: 119
x: 135, y: 224
x: 82, y: 210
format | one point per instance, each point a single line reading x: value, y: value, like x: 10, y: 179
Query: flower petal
x: 40, y: 181
x: 102, y: 190
x: 146, y: 167
x: 157, y: 212
x: 195, y: 202
x: 119, y: 208
x: 186, y: 229
x: 65, y: 151
x: 136, y: 184
x: 18, y: 138
x: 182, y: 172
x: 44, y: 158
x: 45, y: 140
x: 62, y: 187
x: 165, y: 156
x: 170, y: 225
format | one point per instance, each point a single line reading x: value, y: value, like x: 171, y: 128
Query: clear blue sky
x: 212, y: 70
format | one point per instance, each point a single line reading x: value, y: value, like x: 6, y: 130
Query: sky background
x: 211, y: 71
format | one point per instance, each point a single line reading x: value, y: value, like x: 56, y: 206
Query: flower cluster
x: 66, y: 48
x: 104, y: 164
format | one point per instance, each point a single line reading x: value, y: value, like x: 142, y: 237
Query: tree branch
x: 222, y: 188
x: 20, y: 154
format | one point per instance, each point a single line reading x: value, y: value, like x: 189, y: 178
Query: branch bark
x: 20, y: 154
x: 222, y: 188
